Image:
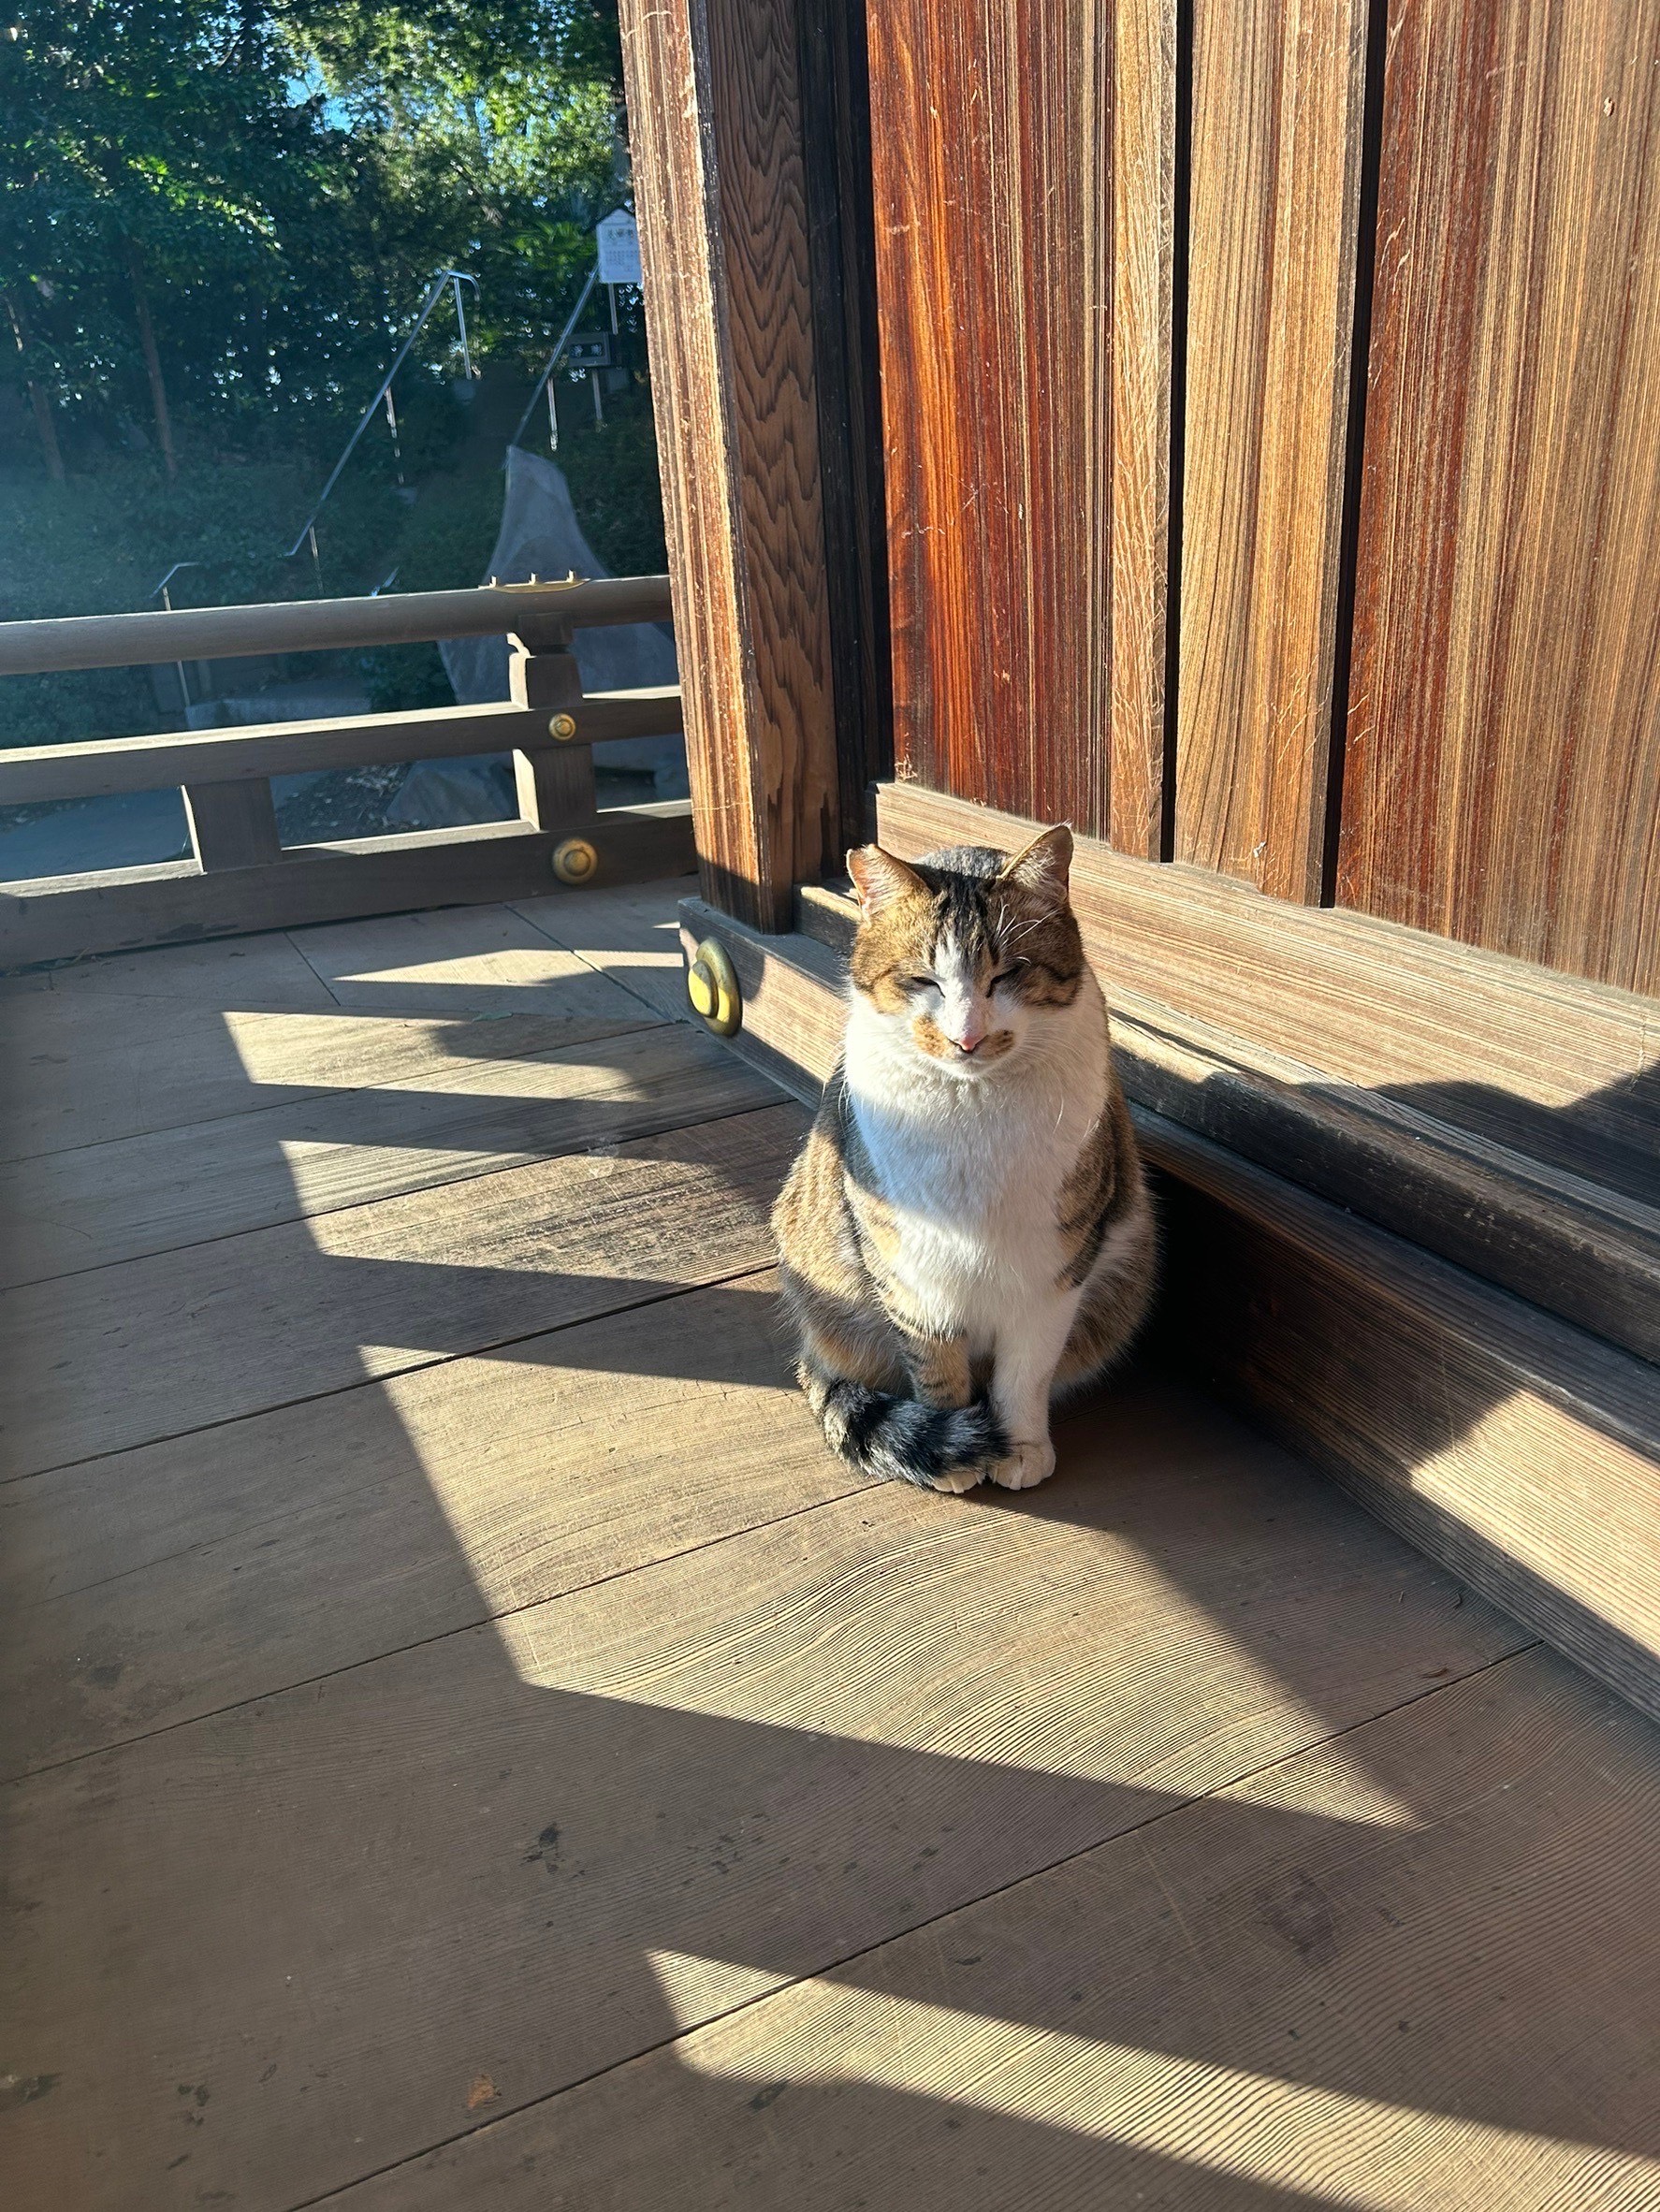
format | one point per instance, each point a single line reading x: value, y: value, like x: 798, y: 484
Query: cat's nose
x: 969, y: 1042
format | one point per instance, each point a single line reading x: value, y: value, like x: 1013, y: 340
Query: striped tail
x: 900, y: 1439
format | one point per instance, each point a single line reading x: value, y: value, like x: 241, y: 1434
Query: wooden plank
x: 631, y: 935
x: 1503, y: 775
x: 1239, y: 2007
x: 159, y: 1347
x: 457, y: 1118
x: 1277, y: 98
x: 714, y: 94
x: 232, y: 825
x: 847, y: 377
x: 1019, y: 205
x: 65, y: 917
x: 94, y: 1069
x: 325, y: 625
x: 794, y: 1011
x: 772, y: 1752
x: 463, y: 960
x: 1141, y: 366
x: 322, y: 1535
x: 227, y: 972
x: 1522, y: 1450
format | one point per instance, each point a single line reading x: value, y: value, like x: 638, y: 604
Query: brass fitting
x: 711, y: 985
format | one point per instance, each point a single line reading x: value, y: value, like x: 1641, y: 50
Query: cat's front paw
x: 956, y: 1479
x: 1027, y: 1465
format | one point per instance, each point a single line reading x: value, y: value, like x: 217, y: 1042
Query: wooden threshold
x: 1519, y: 1449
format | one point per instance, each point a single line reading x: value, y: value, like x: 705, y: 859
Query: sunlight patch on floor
x: 1334, y: 2146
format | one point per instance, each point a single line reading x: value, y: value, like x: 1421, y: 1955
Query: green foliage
x: 290, y: 173
x: 273, y: 183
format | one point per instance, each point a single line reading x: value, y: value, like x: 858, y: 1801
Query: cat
x: 967, y: 1228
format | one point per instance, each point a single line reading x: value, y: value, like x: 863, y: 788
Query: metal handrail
x: 324, y: 625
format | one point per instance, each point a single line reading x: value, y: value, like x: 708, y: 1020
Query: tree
x: 221, y: 212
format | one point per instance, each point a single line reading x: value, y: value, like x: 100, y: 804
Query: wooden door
x: 1403, y: 653
x: 1023, y: 158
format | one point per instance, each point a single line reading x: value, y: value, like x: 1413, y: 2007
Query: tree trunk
x: 158, y: 390
x: 39, y: 398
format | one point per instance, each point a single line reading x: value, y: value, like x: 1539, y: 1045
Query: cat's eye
x: 1007, y: 975
x: 921, y: 983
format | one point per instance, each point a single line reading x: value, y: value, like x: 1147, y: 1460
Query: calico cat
x: 967, y: 1230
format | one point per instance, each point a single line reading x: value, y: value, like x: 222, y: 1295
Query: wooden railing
x: 239, y: 876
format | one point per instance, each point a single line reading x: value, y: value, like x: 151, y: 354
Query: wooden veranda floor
x: 471, y: 1747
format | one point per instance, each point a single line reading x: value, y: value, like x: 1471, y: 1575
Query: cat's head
x: 965, y: 951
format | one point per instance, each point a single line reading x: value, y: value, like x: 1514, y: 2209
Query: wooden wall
x: 1415, y: 642
x: 1503, y: 773
x: 1274, y: 232
x: 1023, y: 160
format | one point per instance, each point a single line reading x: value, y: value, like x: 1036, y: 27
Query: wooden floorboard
x: 629, y: 934
x: 472, y: 1746
x: 1413, y: 1968
x: 166, y: 1582
x: 456, y: 960
x: 497, y: 1098
x: 267, y: 970
x: 83, y: 1071
x: 332, y: 1914
x: 161, y: 1346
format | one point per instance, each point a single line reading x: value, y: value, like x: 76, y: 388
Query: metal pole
x: 440, y: 285
x: 563, y: 339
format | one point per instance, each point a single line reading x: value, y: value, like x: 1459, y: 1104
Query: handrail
x: 321, y: 625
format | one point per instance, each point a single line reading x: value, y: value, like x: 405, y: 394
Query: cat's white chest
x: 972, y: 1173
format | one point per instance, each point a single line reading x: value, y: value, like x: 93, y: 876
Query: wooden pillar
x: 715, y: 126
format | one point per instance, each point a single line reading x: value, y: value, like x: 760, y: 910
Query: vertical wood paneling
x: 1502, y: 771
x: 1019, y: 205
x: 1277, y: 98
x: 715, y: 137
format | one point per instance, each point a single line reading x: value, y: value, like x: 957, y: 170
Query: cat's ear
x: 1041, y: 867
x: 881, y: 879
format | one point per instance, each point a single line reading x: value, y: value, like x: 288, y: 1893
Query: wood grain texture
x: 1503, y: 775
x: 71, y: 917
x: 1243, y: 2008
x: 1023, y: 226
x: 715, y: 108
x: 467, y: 960
x: 484, y: 1108
x: 198, y: 1572
x: 631, y: 935
x: 770, y: 1753
x: 159, y: 1347
x: 1278, y: 95
x: 92, y: 1069
x: 1524, y: 1453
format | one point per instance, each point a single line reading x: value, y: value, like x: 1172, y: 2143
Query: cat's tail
x: 900, y: 1439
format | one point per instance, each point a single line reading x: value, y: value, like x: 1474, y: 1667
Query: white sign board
x: 619, y: 238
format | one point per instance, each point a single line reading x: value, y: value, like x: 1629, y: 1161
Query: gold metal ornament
x: 711, y: 985
x: 563, y: 727
x: 576, y: 861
